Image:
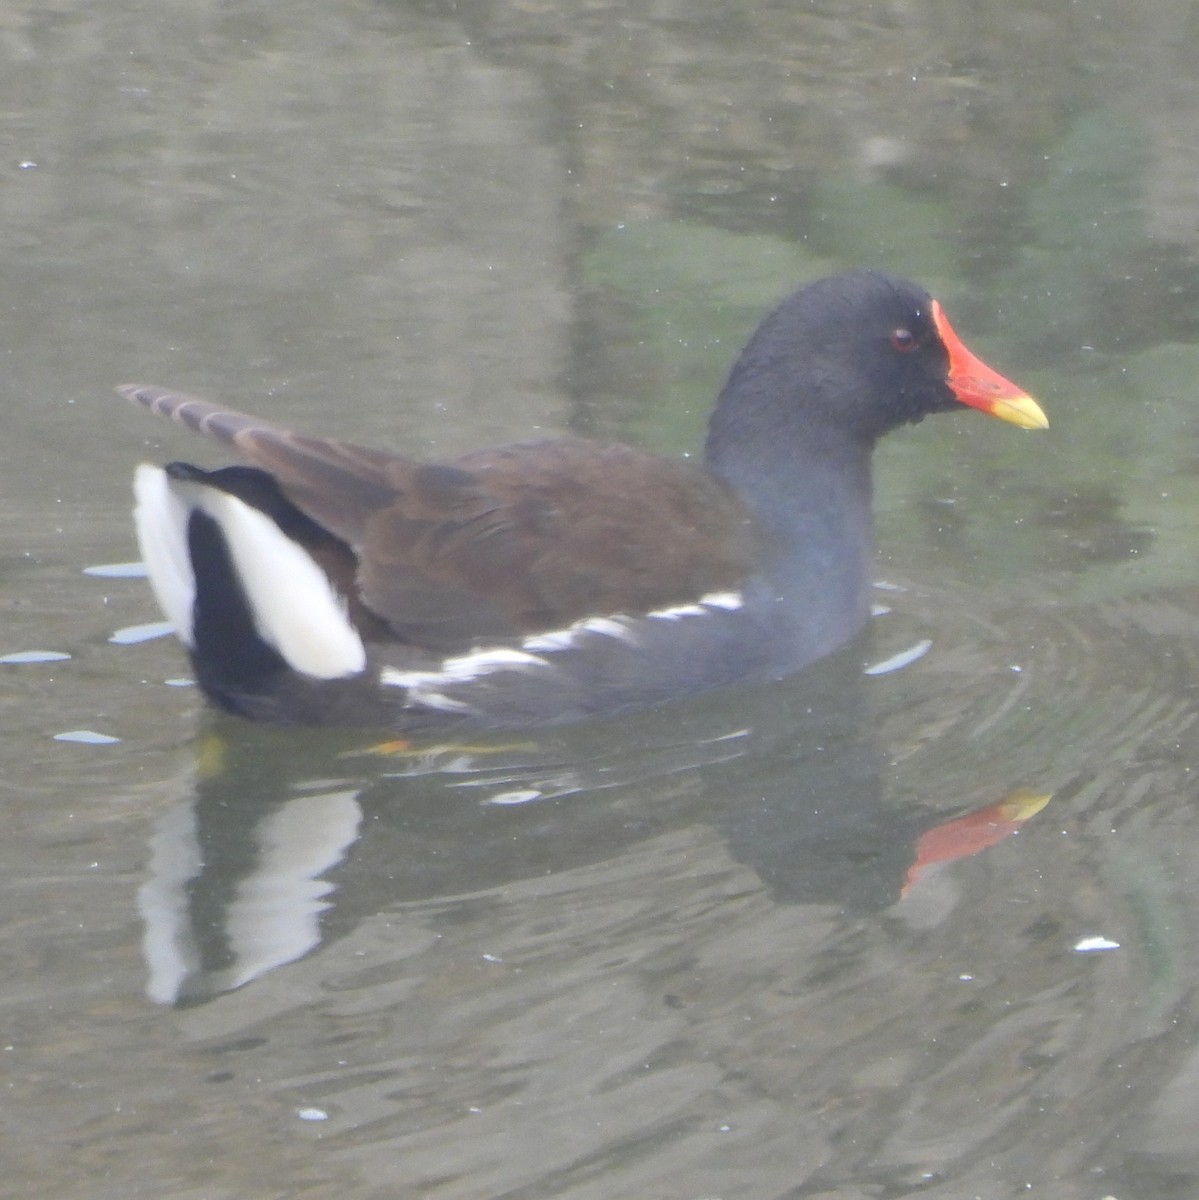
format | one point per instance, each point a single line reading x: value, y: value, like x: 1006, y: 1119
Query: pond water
x: 928, y: 930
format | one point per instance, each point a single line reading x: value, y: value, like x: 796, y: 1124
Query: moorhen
x: 545, y: 582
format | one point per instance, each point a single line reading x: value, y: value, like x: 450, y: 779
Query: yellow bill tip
x: 1022, y: 411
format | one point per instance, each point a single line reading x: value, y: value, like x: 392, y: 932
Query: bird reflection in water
x: 291, y: 840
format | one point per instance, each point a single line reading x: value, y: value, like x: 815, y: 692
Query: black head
x: 853, y: 355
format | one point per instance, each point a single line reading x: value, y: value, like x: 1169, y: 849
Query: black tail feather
x: 230, y: 657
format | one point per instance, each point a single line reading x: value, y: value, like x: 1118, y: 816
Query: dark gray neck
x: 812, y: 495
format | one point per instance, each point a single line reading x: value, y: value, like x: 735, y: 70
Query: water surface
x: 718, y: 951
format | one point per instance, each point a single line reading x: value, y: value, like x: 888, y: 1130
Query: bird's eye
x: 903, y: 340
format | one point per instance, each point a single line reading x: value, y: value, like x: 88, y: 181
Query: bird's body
x: 550, y: 581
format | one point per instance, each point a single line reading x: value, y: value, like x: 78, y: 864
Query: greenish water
x: 706, y: 952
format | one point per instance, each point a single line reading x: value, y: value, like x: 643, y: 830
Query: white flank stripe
x: 463, y: 669
x: 429, y: 687
x: 729, y: 600
x: 614, y: 627
x: 484, y: 662
x: 295, y: 607
x: 161, y: 518
x: 556, y: 639
x: 674, y: 614
x: 425, y: 687
x: 624, y: 627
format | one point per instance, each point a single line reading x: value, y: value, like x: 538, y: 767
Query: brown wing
x: 500, y: 542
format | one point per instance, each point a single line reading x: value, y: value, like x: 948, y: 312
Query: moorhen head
x: 545, y: 582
